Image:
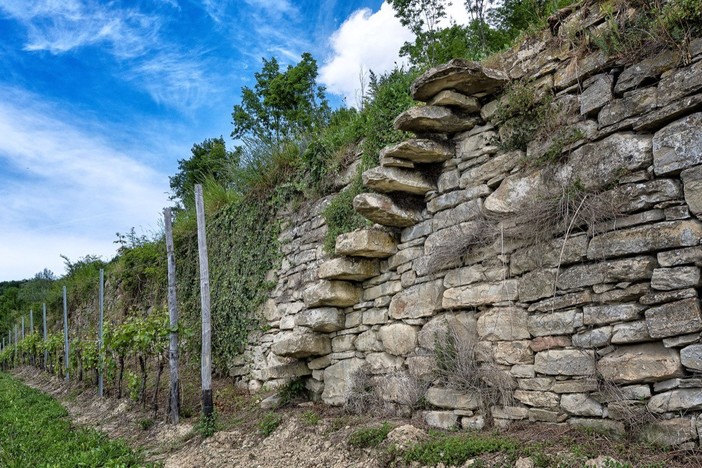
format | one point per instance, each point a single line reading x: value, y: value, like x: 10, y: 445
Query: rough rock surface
x: 469, y: 78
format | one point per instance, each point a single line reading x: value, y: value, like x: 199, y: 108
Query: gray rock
x: 565, y: 362
x: 681, y: 340
x: 453, y: 399
x: 691, y: 357
x: 382, y: 363
x: 331, y: 293
x: 421, y: 300
x: 509, y: 412
x: 419, y: 150
x: 631, y: 332
x: 688, y: 399
x: 649, y: 68
x: 398, y: 339
x: 474, y: 274
x: 509, y: 353
x: 667, y: 296
x: 596, y: 95
x: 325, y: 319
x: 471, y: 147
x: 368, y: 341
x: 539, y: 399
x: 338, y: 380
x: 678, y: 145
x: 613, y: 271
x: 686, y: 256
x: 692, y: 186
x: 270, y: 311
x: 604, y: 314
x: 348, y: 268
x: 370, y: 243
x: 549, y: 255
x: 343, y: 343
x: 465, y: 211
x: 383, y: 210
x: 674, y: 318
x: 495, y: 166
x: 537, y: 285
x: 554, y: 323
x: 468, y: 78
x: 480, y: 294
x: 595, y: 338
x: 441, y: 419
x: 451, y: 199
x: 677, y: 83
x: 585, y: 385
x: 562, y: 302
x: 666, y: 279
x: 604, y: 426
x: 393, y: 179
x: 541, y: 384
x: 503, y: 324
x: 461, y: 325
x: 580, y: 404
x: 650, y: 362
x: 300, y: 344
x: 433, y: 119
x: 634, y: 103
x: 450, y: 98
x: 644, y: 195
x: 579, y: 69
x: 670, y: 432
x: 660, y: 236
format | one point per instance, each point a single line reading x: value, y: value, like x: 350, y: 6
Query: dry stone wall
x: 592, y: 321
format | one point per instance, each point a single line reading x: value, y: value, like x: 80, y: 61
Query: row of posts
x: 206, y: 355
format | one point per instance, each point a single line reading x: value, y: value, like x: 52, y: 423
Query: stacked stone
x: 615, y: 306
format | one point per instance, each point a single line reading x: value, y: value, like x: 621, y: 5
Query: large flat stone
x: 686, y: 256
x: 650, y: 362
x: 461, y: 325
x: 383, y: 210
x: 495, y: 166
x: 433, y: 119
x: 369, y: 243
x: 674, y: 318
x: 398, y: 339
x: 649, y: 68
x: 419, y: 150
x: 393, y: 179
x: 503, y: 324
x: 630, y: 332
x: 692, y: 186
x: 324, y: 319
x: 349, y: 268
x: 450, y: 98
x: 480, y: 294
x: 554, y: 323
x: 338, y: 380
x: 686, y: 399
x: 610, y: 313
x: 613, y: 271
x: 668, y: 279
x: 648, y: 238
x: 634, y: 103
x: 595, y: 96
x: 299, y: 344
x: 691, y: 357
x: 549, y: 254
x: 469, y: 78
x: 565, y: 362
x: 453, y: 399
x: 678, y: 145
x: 580, y: 404
x: 331, y: 293
x: 670, y: 432
x: 422, y: 300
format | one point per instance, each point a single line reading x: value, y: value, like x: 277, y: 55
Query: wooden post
x: 174, y: 394
x: 206, y: 358
x: 65, y: 333
x: 46, y: 352
x: 101, y: 300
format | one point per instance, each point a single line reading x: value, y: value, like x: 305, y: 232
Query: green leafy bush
x: 269, y: 423
x: 370, y: 436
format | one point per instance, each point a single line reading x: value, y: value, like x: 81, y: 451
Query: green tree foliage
x: 209, y: 159
x: 283, y: 104
x: 422, y: 17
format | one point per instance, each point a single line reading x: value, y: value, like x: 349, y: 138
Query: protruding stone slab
x: 450, y: 98
x: 565, y: 362
x: 301, y: 344
x: 652, y: 237
x: 348, y: 268
x: 469, y: 78
x: 691, y: 357
x: 480, y: 294
x: 687, y: 399
x: 419, y: 150
x: 422, y: 300
x: 668, y: 279
x: 648, y: 68
x: 692, y: 186
x: 331, y: 293
x: 433, y: 119
x: 323, y: 319
x: 394, y: 179
x: 674, y: 318
x: 338, y: 379
x: 650, y: 362
x: 370, y: 243
x: 383, y: 210
x: 678, y: 145
x: 670, y: 432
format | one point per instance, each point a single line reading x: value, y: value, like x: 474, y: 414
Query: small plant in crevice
x: 370, y: 436
x: 269, y: 423
x: 293, y: 390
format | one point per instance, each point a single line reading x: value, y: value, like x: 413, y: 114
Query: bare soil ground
x: 314, y: 435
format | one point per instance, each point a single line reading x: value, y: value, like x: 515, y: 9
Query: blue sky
x: 99, y: 100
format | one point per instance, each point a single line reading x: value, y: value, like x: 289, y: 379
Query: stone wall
x: 589, y: 319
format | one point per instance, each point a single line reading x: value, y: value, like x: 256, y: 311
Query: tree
x: 210, y: 159
x: 282, y: 105
x: 422, y: 17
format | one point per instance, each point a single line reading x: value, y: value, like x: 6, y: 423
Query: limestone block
x: 643, y: 195
x: 509, y: 412
x: 331, y: 293
x: 398, y: 338
x: 565, y: 362
x: 421, y: 300
x: 554, y: 323
x: 678, y: 145
x: 338, y: 379
x: 691, y: 357
x: 383, y: 210
x: 370, y: 243
x: 468, y: 78
x: 580, y: 404
x: 324, y: 319
x: 523, y: 371
x: 343, y: 343
x: 495, y: 166
x: 650, y: 362
x: 473, y: 423
x: 419, y: 150
x: 595, y: 338
x: 670, y: 432
x: 659, y: 236
x: 585, y: 385
x: 595, y: 96
x: 474, y: 274
x: 611, y: 271
x: 300, y: 344
x: 462, y: 325
x: 689, y: 255
x: 537, y: 285
x: 541, y: 384
x: 433, y: 119
x: 480, y: 294
x: 630, y: 332
x: 394, y: 179
x: 684, y: 399
x: 579, y: 69
x: 539, y: 399
x: 348, y: 268
x: 647, y: 69
x: 604, y: 314
x: 450, y: 98
x: 471, y: 146
x: 368, y: 342
x: 441, y: 419
x: 375, y: 316
x: 674, y: 318
x: 382, y: 363
x: 503, y: 324
x: 604, y: 426
x: 451, y: 199
x: 405, y: 256
x: 692, y: 187
x: 421, y: 367
x: 509, y: 353
x: 453, y: 399
x: 548, y: 255
x: 634, y: 103
x: 389, y: 161
x: 459, y: 214
x: 270, y: 311
x: 383, y: 289
x: 542, y: 343
x: 666, y: 279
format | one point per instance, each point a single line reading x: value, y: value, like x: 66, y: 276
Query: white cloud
x: 365, y: 41
x: 65, y: 191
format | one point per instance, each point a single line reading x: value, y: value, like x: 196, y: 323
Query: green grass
x: 456, y: 449
x: 35, y: 431
x: 370, y: 436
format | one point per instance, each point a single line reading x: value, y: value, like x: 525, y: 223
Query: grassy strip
x: 35, y: 431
